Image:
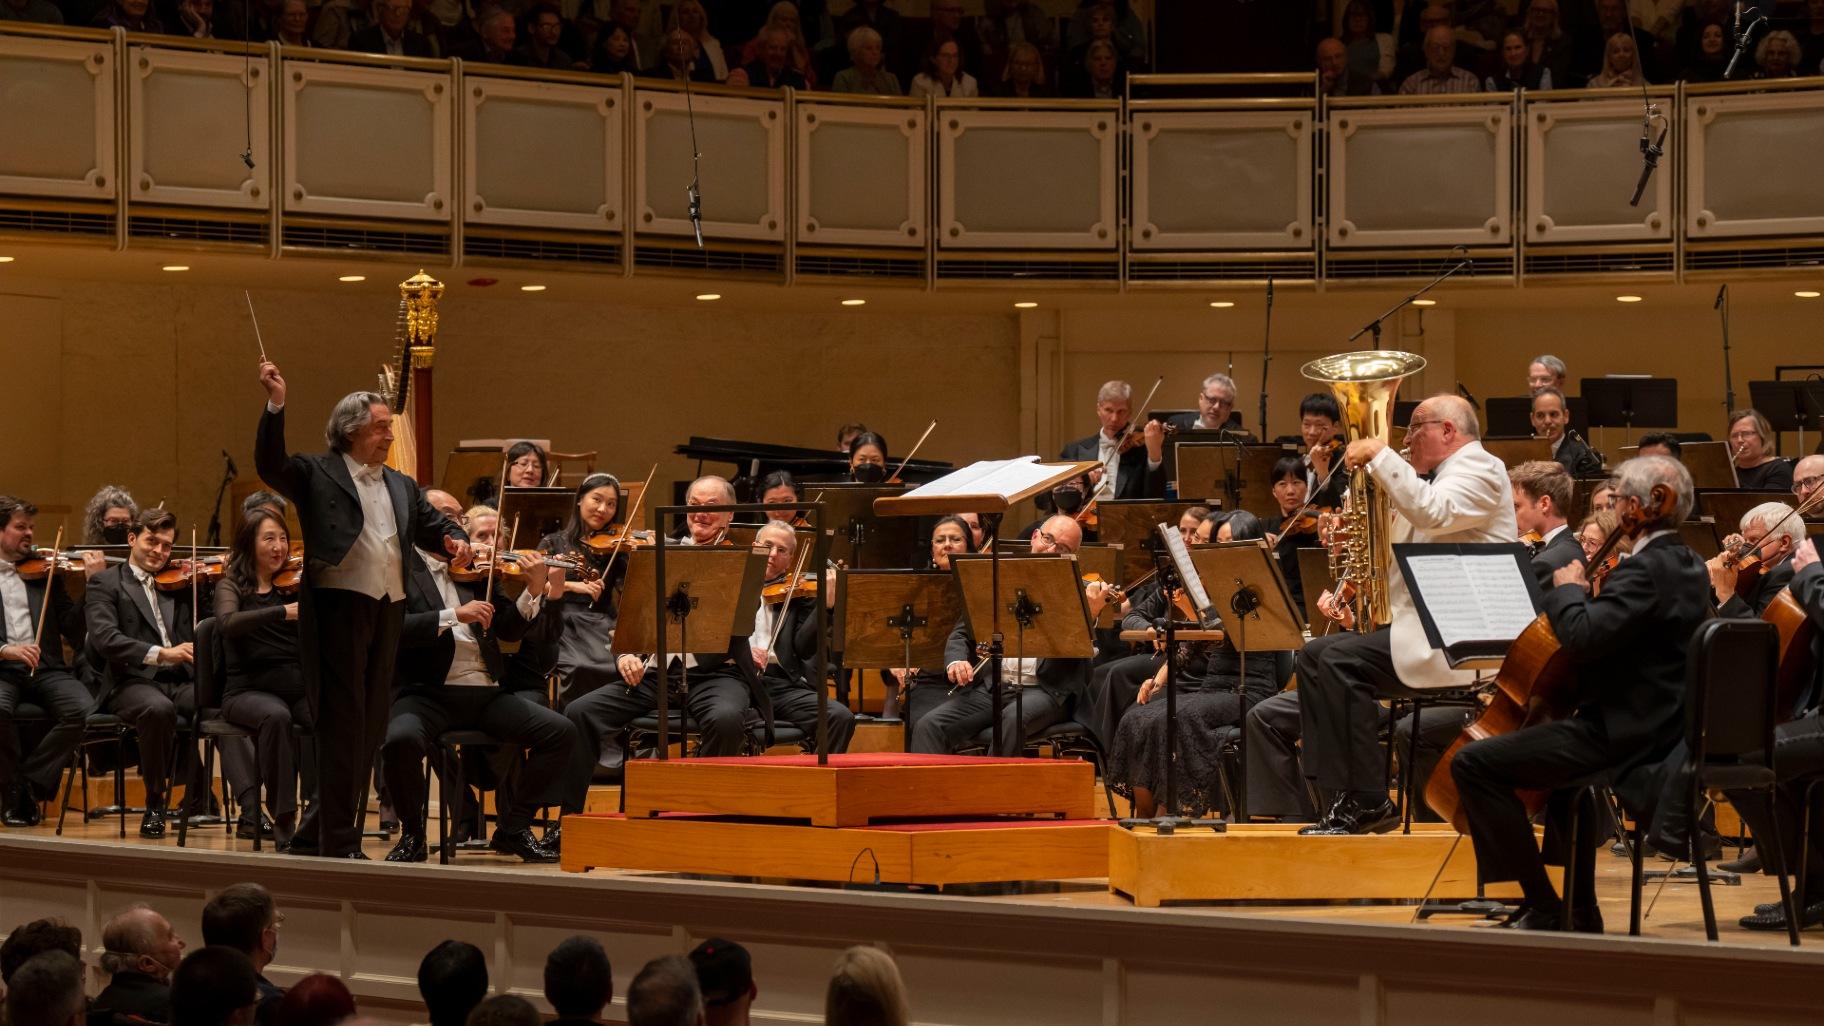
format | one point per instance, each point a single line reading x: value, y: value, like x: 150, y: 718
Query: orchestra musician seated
x: 1751, y: 442
x: 846, y: 435
x: 33, y: 668
x: 1808, y: 478
x: 584, y: 659
x: 868, y: 458
x: 1319, y: 419
x: 1756, y: 562
x: 784, y: 641
x: 527, y: 466
x: 108, y: 516
x: 1215, y: 405
x: 1602, y: 497
x: 263, y: 688
x: 1546, y: 371
x: 451, y: 675
x: 984, y: 528
x: 1542, y: 494
x: 921, y: 690
x: 1629, y: 644
x: 1133, y: 466
x: 1552, y: 421
x: 781, y: 486
x: 1291, y: 475
x: 1660, y: 443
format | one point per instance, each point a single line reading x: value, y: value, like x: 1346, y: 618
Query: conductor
x: 361, y: 521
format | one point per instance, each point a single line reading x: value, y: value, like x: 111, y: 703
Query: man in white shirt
x: 1137, y: 473
x: 784, y: 642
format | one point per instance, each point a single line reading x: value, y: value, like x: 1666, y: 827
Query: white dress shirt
x: 1108, y: 450
x: 150, y: 585
x: 17, y: 604
x: 373, y: 565
x: 467, y: 669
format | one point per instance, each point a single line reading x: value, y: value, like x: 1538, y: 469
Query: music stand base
x: 1166, y: 826
x: 1486, y: 908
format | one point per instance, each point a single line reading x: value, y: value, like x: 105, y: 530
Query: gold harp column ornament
x: 418, y: 297
x: 420, y: 293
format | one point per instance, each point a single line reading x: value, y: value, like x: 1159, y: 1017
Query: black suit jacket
x: 796, y: 648
x: 425, y: 653
x: 1760, y: 595
x: 1560, y: 552
x: 133, y: 994
x: 1808, y: 591
x: 1578, y: 459
x: 122, y: 631
x: 1064, y: 678
x: 65, y: 624
x: 370, y: 40
x: 1135, y: 480
x: 1628, y: 647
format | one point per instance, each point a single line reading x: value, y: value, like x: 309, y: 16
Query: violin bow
x: 1798, y: 510
x: 633, y: 519
x: 500, y: 554
x: 914, y: 451
x: 195, y: 586
x: 791, y: 586
x: 1131, y: 419
x: 1336, y: 464
x: 50, y: 580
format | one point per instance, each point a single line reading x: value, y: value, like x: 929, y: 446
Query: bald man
x: 1342, y: 677
x: 140, y: 951
x: 1808, y: 478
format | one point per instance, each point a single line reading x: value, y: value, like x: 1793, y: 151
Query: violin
x: 1132, y: 439
x: 179, y: 574
x: 510, y: 567
x: 37, y: 566
x: 1115, y: 592
x: 788, y: 591
x: 604, y: 542
x: 291, y: 575
x: 1532, y: 540
x: 1306, y: 521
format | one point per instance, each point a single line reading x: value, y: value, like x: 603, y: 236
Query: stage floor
x: 1677, y: 915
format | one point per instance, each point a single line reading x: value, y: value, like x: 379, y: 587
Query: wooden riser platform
x: 923, y: 855
x: 855, y: 788
x: 1271, y: 862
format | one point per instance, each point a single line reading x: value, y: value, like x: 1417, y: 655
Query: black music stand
x: 1128, y: 523
x: 1789, y: 405
x: 1727, y: 506
x: 858, y: 537
x: 1700, y: 536
x: 1241, y: 473
x: 686, y: 599
x: 892, y: 618
x: 1044, y: 596
x: 1632, y: 402
x: 1512, y: 415
x: 1314, y: 569
x: 541, y: 511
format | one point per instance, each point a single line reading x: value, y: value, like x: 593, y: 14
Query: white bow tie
x: 368, y: 474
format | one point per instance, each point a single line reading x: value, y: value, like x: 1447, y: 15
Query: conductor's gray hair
x: 354, y: 412
x: 1638, y: 476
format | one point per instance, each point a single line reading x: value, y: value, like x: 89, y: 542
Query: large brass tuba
x: 1361, y: 550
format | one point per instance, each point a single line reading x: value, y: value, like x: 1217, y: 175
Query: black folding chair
x: 207, y: 726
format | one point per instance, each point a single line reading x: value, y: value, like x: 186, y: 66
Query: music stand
x: 1514, y: 451
x: 1241, y: 474
x: 893, y: 618
x: 859, y: 537
x: 1728, y: 506
x: 1128, y: 523
x: 1631, y: 402
x: 1708, y: 462
x: 1700, y: 535
x: 541, y: 511
x: 1044, y: 596
x: 1789, y: 405
x: 1512, y: 415
x: 1313, y: 567
x: 1258, y: 615
x: 472, y: 473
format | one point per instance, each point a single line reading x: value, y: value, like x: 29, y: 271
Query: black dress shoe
x: 1584, y: 920
x: 299, y: 845
x: 243, y: 828
x: 152, y: 825
x: 522, y: 844
x: 22, y: 809
x: 1750, y: 862
x: 411, y: 848
x: 1353, y: 817
x: 358, y: 855
x: 553, y: 839
x: 1775, y: 917
x: 1326, y: 822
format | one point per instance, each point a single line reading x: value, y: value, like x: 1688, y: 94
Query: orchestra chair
x: 206, y: 725
x: 1412, y: 789
x: 99, y: 728
x: 25, y: 717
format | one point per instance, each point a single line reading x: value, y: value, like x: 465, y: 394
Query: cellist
x: 1628, y: 646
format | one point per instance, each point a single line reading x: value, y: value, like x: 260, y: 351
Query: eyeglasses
x: 1216, y: 400
x: 278, y: 920
x: 1413, y: 428
x: 1806, y: 484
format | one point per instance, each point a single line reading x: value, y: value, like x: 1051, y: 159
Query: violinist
x: 1133, y: 465
x: 1660, y: 443
x: 1756, y: 564
x: 1629, y: 644
x: 868, y: 459
x: 261, y: 497
x: 1542, y: 494
x: 780, y: 486
x: 527, y: 466
x: 1808, y: 478
x: 846, y: 435
x: 1318, y: 420
x: 1287, y: 535
x: 922, y: 690
x: 584, y: 661
x: 984, y: 528
x: 452, y: 676
x: 1069, y: 498
x: 1190, y: 518
x: 1215, y: 407
x: 1552, y: 420
x: 1751, y: 442
x: 108, y: 516
x: 784, y: 640
x: 32, y: 668
x: 263, y: 692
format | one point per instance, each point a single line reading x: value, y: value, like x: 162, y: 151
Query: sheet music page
x: 1507, y: 605
x: 1187, y: 571
x: 1451, y: 596
x: 989, y: 477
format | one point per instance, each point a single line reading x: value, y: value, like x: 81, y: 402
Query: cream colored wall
x: 144, y: 386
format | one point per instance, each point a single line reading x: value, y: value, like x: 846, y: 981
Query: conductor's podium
x: 871, y: 817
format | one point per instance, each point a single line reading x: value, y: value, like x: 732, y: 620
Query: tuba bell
x: 1361, y: 546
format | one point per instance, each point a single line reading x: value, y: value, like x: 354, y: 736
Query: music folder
x: 1473, y: 599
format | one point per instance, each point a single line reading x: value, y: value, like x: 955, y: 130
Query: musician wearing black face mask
x: 868, y: 459
x: 108, y: 517
x: 1067, y: 498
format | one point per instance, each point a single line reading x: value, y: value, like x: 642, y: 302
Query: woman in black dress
x: 588, y: 610
x: 922, y: 690
x: 1289, y: 480
x: 264, y: 688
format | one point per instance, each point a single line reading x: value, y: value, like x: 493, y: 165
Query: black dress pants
x: 152, y: 707
x: 955, y: 723
x: 1798, y: 757
x: 1113, y: 688
x: 67, y: 702
x: 1341, y: 679
x: 1276, y: 783
x: 357, y: 640
x: 420, y: 715
x: 796, y: 704
x: 275, y: 747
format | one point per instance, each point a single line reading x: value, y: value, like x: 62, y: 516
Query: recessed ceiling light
x: 1627, y: 299
x: 1424, y: 302
x: 1807, y: 294
x: 531, y: 288
x: 708, y: 297
x: 854, y: 302
x: 1222, y: 304
x: 6, y: 260
x: 353, y: 277
x: 177, y: 267
x: 1025, y: 305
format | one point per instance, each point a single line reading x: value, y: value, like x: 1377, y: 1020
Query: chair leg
x: 1793, y: 905
x: 1698, y: 861
x: 1635, y: 864
x: 1805, y: 838
x: 1578, y: 826
x: 258, y: 816
x: 1407, y: 774
x: 69, y: 782
x: 120, y: 782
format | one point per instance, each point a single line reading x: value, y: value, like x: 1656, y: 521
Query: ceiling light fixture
x: 531, y: 288
x: 1424, y: 302
x: 1807, y: 294
x: 352, y: 278
x: 854, y: 302
x: 1025, y: 304
x: 176, y: 267
x: 708, y: 297
x: 6, y: 260
x: 1222, y: 304
x: 1627, y: 299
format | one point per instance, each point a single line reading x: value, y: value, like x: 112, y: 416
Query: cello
x: 1536, y: 683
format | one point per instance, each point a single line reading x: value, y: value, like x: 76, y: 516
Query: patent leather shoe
x: 411, y: 848
x: 152, y: 824
x: 521, y: 843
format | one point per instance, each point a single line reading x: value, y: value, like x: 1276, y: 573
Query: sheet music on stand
x: 1473, y: 599
x: 1187, y: 573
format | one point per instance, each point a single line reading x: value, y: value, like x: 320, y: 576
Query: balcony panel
x: 367, y: 142
x: 990, y: 190
x: 543, y: 155
x: 1222, y: 181
x: 742, y: 171
x: 1583, y: 161
x: 862, y: 175
x: 1752, y: 165
x: 1412, y: 176
x: 57, y: 118
x: 192, y: 116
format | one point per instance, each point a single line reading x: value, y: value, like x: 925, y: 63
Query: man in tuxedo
x: 1629, y: 645
x: 785, y: 654
x: 32, y: 669
x: 452, y: 676
x: 1342, y: 677
x: 1551, y: 420
x: 363, y: 524
x: 1542, y: 494
x: 1138, y: 473
x: 1775, y: 553
x: 1214, y: 405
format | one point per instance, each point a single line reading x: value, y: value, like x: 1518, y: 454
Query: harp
x: 406, y: 380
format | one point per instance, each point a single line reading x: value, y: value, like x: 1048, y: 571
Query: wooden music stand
x: 1128, y: 523
x: 1728, y: 506
x: 541, y: 511
x: 1514, y: 451
x: 1241, y: 474
x: 472, y: 473
x: 892, y: 618
x: 859, y: 535
x: 1708, y: 462
x: 1315, y: 578
x: 1700, y: 535
x: 1042, y: 596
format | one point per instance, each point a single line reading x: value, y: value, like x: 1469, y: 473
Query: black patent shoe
x: 522, y: 844
x: 152, y: 825
x: 411, y: 848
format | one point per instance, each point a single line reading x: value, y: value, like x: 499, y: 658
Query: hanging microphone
x: 1742, y: 37
x: 1651, y: 149
x: 696, y: 210
x: 1722, y: 295
x: 228, y: 464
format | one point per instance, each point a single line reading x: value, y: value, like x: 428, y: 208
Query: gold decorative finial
x: 419, y: 294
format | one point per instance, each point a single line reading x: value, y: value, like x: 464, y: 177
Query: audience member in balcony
x: 946, y: 24
x: 1696, y: 15
x: 614, y: 52
x: 132, y: 15
x: 773, y: 68
x: 1440, y: 74
x: 691, y: 16
x: 1410, y: 57
x: 1102, y: 29
x: 886, y: 23
x: 42, y: 12
x: 1620, y: 65
x: 1809, y: 31
x: 1101, y: 76
x: 1371, y: 52
x: 1007, y: 24
x: 683, y: 60
x: 293, y: 26
x: 1128, y: 32
x: 868, y: 73
x: 1712, y: 57
x: 1594, y: 49
x: 1547, y: 45
x: 541, y: 50
x: 943, y: 75
x: 1335, y: 76
x: 1777, y: 55
x: 1517, y: 69
x: 339, y: 20
x: 195, y: 19
x: 496, y: 34
x: 783, y: 17
x: 392, y: 34
x: 1025, y: 78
